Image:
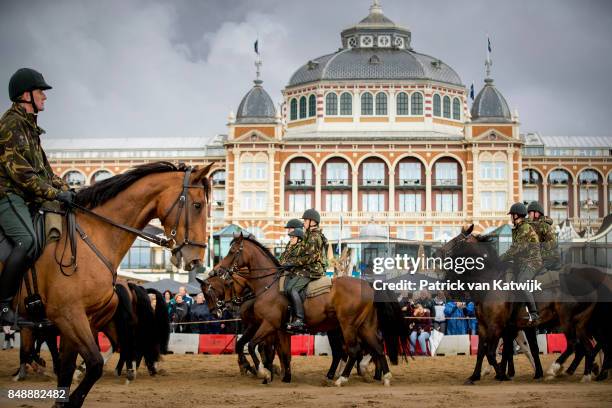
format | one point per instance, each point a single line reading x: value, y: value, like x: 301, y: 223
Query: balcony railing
x: 373, y: 183
x: 557, y: 182
x: 299, y: 183
x: 333, y: 182
x: 218, y: 182
x: 531, y: 181
x: 559, y: 203
x: 452, y: 182
x: 493, y: 214
x: 382, y: 215
x: 410, y: 182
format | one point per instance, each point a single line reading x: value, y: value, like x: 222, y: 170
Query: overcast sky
x: 161, y: 69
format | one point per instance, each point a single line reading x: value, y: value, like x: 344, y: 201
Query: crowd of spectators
x: 184, y: 314
x: 424, y: 314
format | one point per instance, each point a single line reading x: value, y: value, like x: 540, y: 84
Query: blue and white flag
x: 256, y: 46
x: 472, y: 91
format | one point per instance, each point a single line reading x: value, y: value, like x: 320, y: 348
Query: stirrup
x: 297, y: 326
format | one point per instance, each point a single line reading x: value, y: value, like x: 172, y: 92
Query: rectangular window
x: 299, y: 202
x: 447, y: 202
x: 588, y: 194
x: 559, y: 196
x: 485, y: 200
x: 410, y: 202
x: 336, y: 202
x: 254, y: 171
x: 530, y: 194
x: 445, y: 233
x: 373, y: 173
x: 218, y: 195
x: 410, y: 173
x: 337, y: 173
x: 253, y: 201
x: 300, y: 174
x: 446, y: 174
x: 558, y: 214
x: 492, y: 170
x: 410, y: 232
x: 346, y: 104
x: 500, y: 201
x: 373, y: 202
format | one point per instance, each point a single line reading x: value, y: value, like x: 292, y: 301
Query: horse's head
x: 182, y: 210
x: 214, y: 290
x: 238, y: 257
x: 454, y: 247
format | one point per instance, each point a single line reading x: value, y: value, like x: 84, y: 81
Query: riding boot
x: 531, y: 307
x: 298, y: 324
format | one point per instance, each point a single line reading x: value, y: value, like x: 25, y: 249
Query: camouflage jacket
x: 289, y: 254
x: 525, y: 248
x: 311, y: 254
x: 24, y: 168
x: 549, y: 248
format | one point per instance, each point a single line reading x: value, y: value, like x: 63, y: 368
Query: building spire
x: 488, y: 60
x: 258, y: 64
x: 376, y: 8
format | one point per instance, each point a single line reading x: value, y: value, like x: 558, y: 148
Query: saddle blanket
x: 315, y: 288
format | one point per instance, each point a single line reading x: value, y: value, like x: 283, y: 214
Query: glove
x: 66, y: 197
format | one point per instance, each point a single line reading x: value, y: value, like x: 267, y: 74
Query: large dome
x: 256, y: 106
x: 375, y: 49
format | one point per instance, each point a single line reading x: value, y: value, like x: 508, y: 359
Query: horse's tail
x: 146, y: 339
x: 125, y: 323
x: 392, y: 325
x: 162, y: 321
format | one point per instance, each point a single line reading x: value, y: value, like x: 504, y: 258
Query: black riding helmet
x: 294, y: 223
x: 535, y: 206
x: 26, y: 80
x: 297, y: 232
x: 312, y: 214
x: 518, y: 209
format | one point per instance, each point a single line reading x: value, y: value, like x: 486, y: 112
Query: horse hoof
x: 586, y: 378
x: 595, y: 369
x: 469, y: 381
x: 117, y: 373
x: 603, y: 375
x: 286, y: 379
x: 131, y: 375
x: 341, y: 381
x: 276, y: 369
x: 554, y: 370
x: 387, y: 380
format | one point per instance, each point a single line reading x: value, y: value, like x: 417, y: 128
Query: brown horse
x: 79, y: 295
x: 350, y: 306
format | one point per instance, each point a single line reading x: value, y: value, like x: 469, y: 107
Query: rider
x: 525, y: 253
x: 291, y: 225
x: 309, y: 264
x: 543, y: 226
x: 26, y: 179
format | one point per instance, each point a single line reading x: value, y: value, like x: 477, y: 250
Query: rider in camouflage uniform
x: 291, y: 225
x: 26, y: 179
x: 543, y: 226
x: 308, y: 264
x: 524, y: 253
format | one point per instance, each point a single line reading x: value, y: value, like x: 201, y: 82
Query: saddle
x: 315, y: 288
x: 47, y: 228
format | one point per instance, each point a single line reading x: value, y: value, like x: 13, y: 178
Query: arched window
x: 402, y: 104
x: 456, y: 109
x: 74, y: 178
x: 437, y: 108
x: 346, y: 104
x: 367, y: 104
x: 446, y: 107
x: 381, y: 103
x: 331, y: 104
x: 294, y: 111
x: 303, y: 107
x: 312, y: 106
x: 100, y: 175
x: 416, y: 104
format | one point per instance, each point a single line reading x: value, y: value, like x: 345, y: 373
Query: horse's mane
x: 102, y: 191
x: 261, y: 246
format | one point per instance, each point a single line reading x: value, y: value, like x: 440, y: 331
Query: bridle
x: 170, y: 243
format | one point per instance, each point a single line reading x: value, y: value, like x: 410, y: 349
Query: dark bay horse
x: 79, y: 293
x: 350, y: 306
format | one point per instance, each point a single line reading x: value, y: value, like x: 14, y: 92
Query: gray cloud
x: 154, y: 68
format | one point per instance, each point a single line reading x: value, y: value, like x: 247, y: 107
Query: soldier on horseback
x: 524, y: 253
x: 308, y: 264
x: 26, y: 179
x: 543, y: 226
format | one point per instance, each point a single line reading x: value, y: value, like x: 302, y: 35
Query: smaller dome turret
x: 490, y: 105
x: 256, y: 106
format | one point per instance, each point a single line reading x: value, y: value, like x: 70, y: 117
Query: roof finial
x: 376, y: 8
x: 488, y: 60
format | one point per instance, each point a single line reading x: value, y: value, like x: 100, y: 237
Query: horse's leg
x: 353, y: 349
x: 556, y: 367
x: 77, y: 337
x: 335, y: 343
x: 605, y: 365
x: 523, y: 343
x: 479, y: 359
x: 507, y: 362
x: 68, y: 356
x: 119, y: 367
x: 491, y: 349
x: 284, y: 342
x: 534, y: 348
x: 26, y: 350
x: 578, y: 356
x: 369, y: 334
x: 243, y: 362
x: 51, y: 339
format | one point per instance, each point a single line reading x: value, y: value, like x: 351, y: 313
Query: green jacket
x: 549, y: 247
x: 24, y: 168
x: 525, y: 248
x: 311, y: 254
x: 289, y: 254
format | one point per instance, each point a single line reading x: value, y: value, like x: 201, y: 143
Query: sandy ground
x: 204, y: 380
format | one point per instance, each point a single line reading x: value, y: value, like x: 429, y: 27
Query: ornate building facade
x: 381, y: 140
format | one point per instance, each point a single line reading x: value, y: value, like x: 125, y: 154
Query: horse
x: 497, y: 314
x: 76, y: 275
x: 350, y: 306
x: 218, y: 296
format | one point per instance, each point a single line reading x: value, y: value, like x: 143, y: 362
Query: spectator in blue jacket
x: 452, y: 310
x: 470, y: 311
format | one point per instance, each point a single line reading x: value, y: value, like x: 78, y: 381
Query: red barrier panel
x: 556, y: 343
x: 302, y: 345
x: 104, y: 342
x: 217, y: 344
x: 419, y: 352
x: 473, y: 345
